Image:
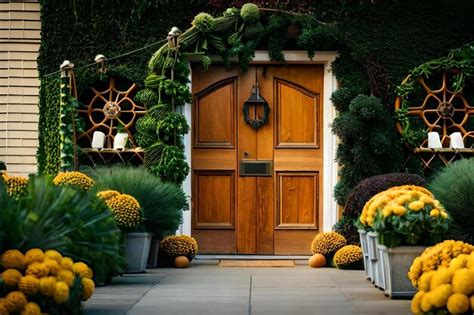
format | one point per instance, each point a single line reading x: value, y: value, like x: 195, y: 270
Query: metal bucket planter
x: 153, y: 255
x: 365, y: 253
x: 137, y: 248
x: 397, y: 262
x: 374, y: 260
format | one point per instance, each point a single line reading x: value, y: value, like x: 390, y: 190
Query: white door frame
x: 330, y: 210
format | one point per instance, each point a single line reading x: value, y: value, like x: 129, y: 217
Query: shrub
x: 369, y: 144
x: 250, y: 13
x: 327, y: 244
x: 43, y: 282
x: 454, y: 187
x: 179, y: 245
x: 162, y: 203
x: 371, y: 186
x: 341, y: 98
x: 348, y: 257
x: 345, y: 226
x: 71, y: 221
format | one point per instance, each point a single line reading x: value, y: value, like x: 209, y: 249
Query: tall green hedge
x: 382, y: 38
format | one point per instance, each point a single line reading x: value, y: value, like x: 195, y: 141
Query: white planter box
x: 137, y: 247
x: 365, y: 253
x: 374, y: 260
x: 397, y: 262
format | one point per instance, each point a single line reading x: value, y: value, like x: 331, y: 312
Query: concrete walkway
x: 205, y: 288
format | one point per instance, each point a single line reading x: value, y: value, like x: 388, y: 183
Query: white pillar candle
x: 433, y: 140
x: 120, y: 141
x: 456, y: 141
x: 98, y: 140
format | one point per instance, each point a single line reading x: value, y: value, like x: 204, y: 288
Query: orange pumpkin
x: 181, y: 262
x: 317, y: 261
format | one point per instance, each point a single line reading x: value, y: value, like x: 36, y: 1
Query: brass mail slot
x: 256, y: 168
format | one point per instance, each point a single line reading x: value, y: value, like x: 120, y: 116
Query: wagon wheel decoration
x: 441, y: 110
x: 110, y: 108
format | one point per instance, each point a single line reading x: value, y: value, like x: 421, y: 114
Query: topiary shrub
x: 371, y: 186
x: 454, y: 188
x: 348, y: 257
x: 341, y: 98
x: 369, y: 144
x: 327, y: 244
x: 179, y: 245
x: 250, y: 13
x: 346, y: 227
x: 203, y: 22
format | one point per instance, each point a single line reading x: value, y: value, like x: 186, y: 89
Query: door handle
x: 246, y: 155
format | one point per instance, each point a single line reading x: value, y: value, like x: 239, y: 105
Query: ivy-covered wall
x: 378, y: 43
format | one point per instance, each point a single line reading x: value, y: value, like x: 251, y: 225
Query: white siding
x: 19, y: 85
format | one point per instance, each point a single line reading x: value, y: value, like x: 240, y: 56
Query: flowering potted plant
x: 401, y: 216
x: 128, y: 214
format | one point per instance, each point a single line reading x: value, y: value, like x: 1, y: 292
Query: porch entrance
x: 280, y: 212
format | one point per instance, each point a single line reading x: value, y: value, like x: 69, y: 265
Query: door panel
x: 279, y: 214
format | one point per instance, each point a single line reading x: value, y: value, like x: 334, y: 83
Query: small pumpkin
x: 181, y: 262
x: 317, y: 261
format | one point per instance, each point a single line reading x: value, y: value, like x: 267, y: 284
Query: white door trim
x: 330, y: 209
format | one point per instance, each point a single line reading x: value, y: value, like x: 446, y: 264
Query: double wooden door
x: 275, y: 214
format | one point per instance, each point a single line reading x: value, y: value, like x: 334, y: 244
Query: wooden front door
x: 275, y: 214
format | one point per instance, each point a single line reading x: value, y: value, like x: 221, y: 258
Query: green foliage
x: 203, y: 22
x: 174, y: 124
x: 453, y: 186
x: 146, y: 97
x: 345, y: 226
x: 341, y: 98
x: 172, y: 164
x: 250, y: 13
x: 71, y: 125
x: 162, y: 203
x: 71, y: 221
x: 3, y: 166
x: 369, y: 144
x: 49, y: 152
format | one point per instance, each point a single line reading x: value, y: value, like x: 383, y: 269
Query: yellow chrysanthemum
x: 61, y: 292
x: 47, y: 285
x: 416, y: 302
x: 440, y: 296
x: 15, y: 301
x: 13, y: 259
x: 184, y: 245
x: 434, y: 213
x: 52, y: 266
x: 425, y: 280
x: 82, y: 270
x: 3, y: 307
x: 416, y: 205
x: 126, y: 210
x: 458, y: 303
x: 31, y: 309
x: 425, y: 304
x: 427, y: 199
x: 29, y: 284
x: 76, y: 179
x: 11, y: 277
x: 54, y: 255
x: 399, y: 210
x: 107, y: 194
x: 66, y: 263
x: 463, y: 281
x: 66, y: 276
x: 38, y: 269
x: 16, y: 185
x: 34, y: 255
x: 459, y: 262
x: 442, y: 276
x: 88, y: 288
x: 444, y: 214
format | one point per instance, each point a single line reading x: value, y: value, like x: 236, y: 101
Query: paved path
x: 207, y: 289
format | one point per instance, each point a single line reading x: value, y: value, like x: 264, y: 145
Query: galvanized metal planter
x: 375, y: 260
x: 137, y: 248
x: 365, y: 254
x: 397, y: 262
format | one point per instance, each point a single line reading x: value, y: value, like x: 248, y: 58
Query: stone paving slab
x: 208, y: 289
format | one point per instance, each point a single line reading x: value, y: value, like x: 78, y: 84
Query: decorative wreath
x: 256, y: 123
